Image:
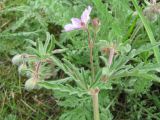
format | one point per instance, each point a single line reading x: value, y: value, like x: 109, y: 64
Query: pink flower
x: 79, y: 23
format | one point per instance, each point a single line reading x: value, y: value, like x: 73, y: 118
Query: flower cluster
x: 20, y: 61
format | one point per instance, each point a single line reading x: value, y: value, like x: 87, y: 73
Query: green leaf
x: 136, y: 73
x: 78, y: 113
x: 48, y: 38
x: 59, y: 81
x: 63, y: 88
x: 142, y: 85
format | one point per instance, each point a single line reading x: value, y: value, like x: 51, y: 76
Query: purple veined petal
x: 76, y: 22
x: 69, y: 27
x: 85, y: 15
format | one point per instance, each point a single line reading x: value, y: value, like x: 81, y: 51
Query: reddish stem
x: 111, y: 55
x: 37, y: 70
x: 90, y: 45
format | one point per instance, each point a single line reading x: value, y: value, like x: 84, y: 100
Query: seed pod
x: 17, y: 59
x: 22, y: 69
x: 31, y: 84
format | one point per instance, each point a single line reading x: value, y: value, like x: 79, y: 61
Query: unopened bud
x: 31, y: 84
x: 105, y: 50
x: 153, y: 1
x: 28, y: 74
x: 17, y: 59
x: 152, y: 12
x: 96, y: 22
x: 22, y: 69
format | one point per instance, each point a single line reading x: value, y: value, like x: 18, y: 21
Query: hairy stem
x: 96, y: 52
x: 37, y: 70
x: 111, y: 55
x: 95, y: 93
x: 90, y: 45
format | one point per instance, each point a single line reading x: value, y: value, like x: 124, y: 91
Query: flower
x: 79, y: 23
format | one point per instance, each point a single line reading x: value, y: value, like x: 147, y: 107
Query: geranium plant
x: 79, y: 86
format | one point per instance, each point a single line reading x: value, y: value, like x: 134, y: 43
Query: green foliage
x: 67, y: 88
x: 79, y: 112
x: 148, y: 29
x: 74, y: 107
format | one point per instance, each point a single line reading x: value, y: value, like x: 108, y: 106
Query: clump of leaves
x: 36, y: 66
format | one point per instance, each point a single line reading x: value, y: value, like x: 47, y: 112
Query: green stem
x: 96, y: 52
x: 95, y: 104
x: 148, y: 30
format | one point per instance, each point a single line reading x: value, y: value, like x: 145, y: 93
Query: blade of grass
x: 148, y: 30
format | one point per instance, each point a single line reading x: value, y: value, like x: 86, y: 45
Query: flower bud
x: 22, y: 69
x: 153, y: 1
x: 96, y: 22
x: 105, y: 50
x: 17, y: 59
x: 152, y: 12
x: 31, y: 84
x: 28, y: 74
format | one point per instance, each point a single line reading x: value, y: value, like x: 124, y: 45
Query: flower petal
x: 85, y: 15
x: 69, y: 27
x: 76, y: 22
